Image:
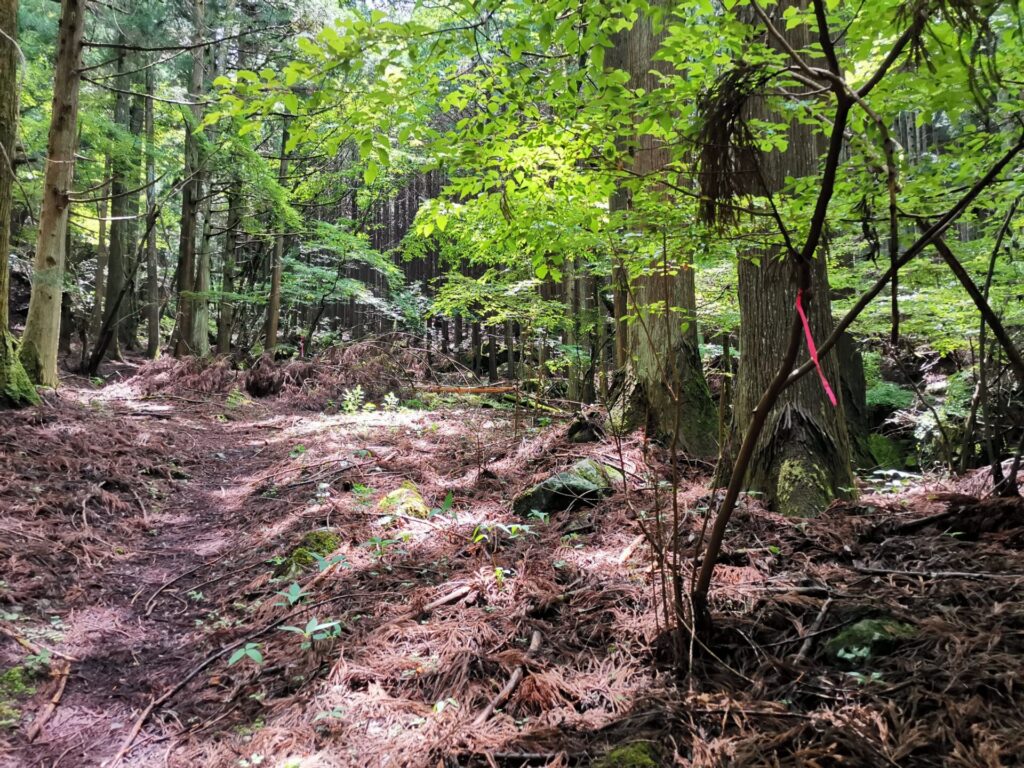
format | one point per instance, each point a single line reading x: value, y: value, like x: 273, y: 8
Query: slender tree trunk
x: 42, y: 328
x: 190, y: 193
x: 15, y: 388
x: 200, y: 343
x: 274, y: 305
x: 226, y: 320
x: 152, y: 276
x: 664, y: 386
x: 120, y: 245
x: 102, y: 258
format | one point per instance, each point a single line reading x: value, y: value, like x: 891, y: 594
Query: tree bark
x: 274, y: 304
x: 226, y: 320
x: 664, y: 386
x: 802, y: 460
x: 190, y: 192
x: 120, y: 246
x: 15, y: 388
x: 42, y: 328
x: 152, y: 275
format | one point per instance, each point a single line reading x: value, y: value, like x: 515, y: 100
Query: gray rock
x: 582, y: 485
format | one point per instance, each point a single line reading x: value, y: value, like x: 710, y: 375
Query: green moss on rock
x: 886, y: 453
x: 405, y: 500
x: 582, y: 485
x: 637, y: 754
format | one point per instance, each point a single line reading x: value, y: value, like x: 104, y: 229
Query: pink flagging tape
x: 811, y: 348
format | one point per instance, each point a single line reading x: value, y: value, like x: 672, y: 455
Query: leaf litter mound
x: 474, y: 638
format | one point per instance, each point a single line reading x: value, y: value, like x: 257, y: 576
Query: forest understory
x: 168, y: 539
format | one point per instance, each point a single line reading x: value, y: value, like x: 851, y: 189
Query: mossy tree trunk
x: 15, y: 387
x: 664, y: 386
x: 42, y: 329
x: 802, y: 460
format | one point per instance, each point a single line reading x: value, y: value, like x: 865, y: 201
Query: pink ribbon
x: 812, y: 349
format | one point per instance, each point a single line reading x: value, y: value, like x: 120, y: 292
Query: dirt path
x: 135, y: 624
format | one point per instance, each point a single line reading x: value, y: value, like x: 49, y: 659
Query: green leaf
x: 370, y: 173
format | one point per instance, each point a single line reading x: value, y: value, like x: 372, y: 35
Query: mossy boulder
x: 582, y: 485
x: 636, y: 754
x: 321, y: 542
x: 868, y: 637
x: 405, y: 500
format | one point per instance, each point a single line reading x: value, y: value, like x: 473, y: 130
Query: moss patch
x: 405, y: 500
x: 14, y: 685
x: 867, y: 638
x: 802, y: 490
x: 638, y: 754
x: 886, y: 453
x: 321, y: 542
x: 16, y: 389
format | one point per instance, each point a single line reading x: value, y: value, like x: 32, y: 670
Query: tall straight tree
x: 802, y: 460
x: 192, y: 190
x: 121, y: 245
x: 42, y: 328
x: 665, y: 386
x: 152, y: 268
x: 15, y: 387
x: 274, y: 304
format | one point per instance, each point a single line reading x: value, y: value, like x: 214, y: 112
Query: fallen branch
x: 979, y: 575
x: 32, y: 647
x: 511, y: 685
x: 805, y: 647
x: 62, y: 674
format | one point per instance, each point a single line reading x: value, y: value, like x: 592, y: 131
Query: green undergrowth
x: 15, y: 685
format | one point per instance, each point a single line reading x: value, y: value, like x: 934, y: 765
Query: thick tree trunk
x: 190, y: 193
x: 802, y: 460
x: 15, y: 387
x: 42, y: 328
x: 664, y: 387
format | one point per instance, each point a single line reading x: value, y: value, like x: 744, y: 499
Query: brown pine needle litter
x: 465, y: 639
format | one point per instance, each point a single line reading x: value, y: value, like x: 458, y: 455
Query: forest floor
x: 148, y: 534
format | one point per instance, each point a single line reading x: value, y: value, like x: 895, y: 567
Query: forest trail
x: 135, y: 626
x: 150, y: 534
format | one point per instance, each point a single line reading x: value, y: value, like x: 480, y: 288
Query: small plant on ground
x: 391, y: 403
x: 249, y: 651
x: 352, y: 399
x: 314, y: 631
